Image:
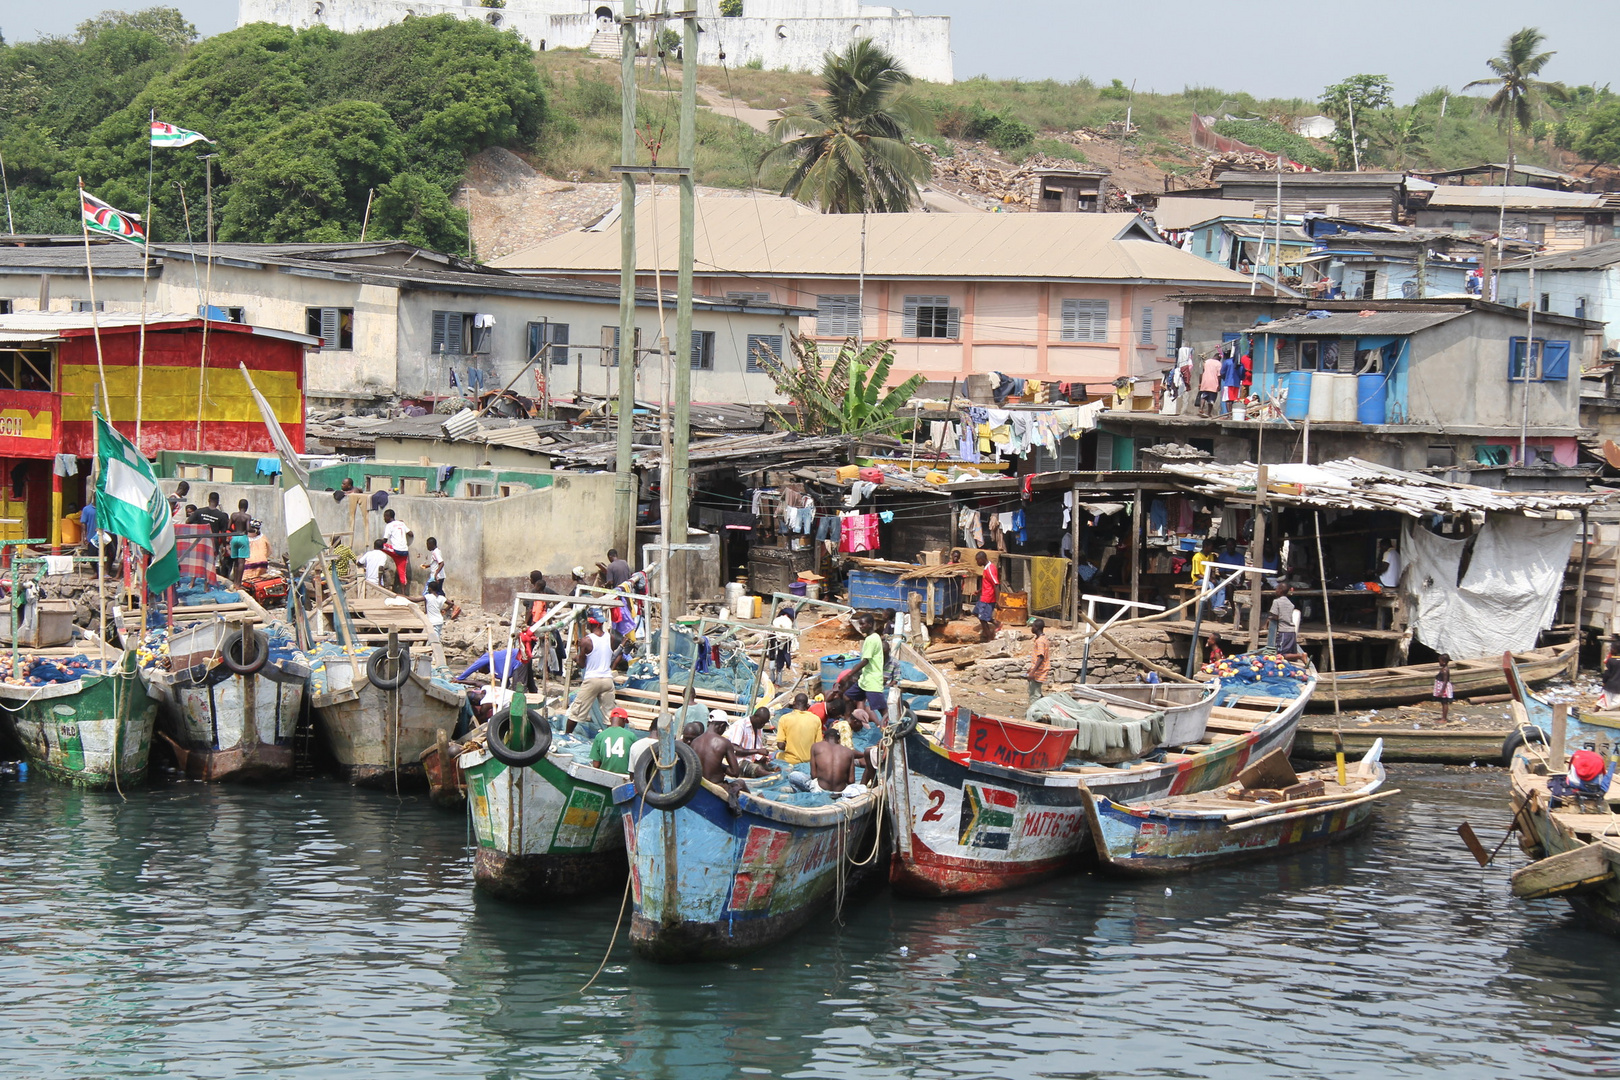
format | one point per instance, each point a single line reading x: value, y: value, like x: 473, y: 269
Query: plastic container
x: 797, y: 588
x: 1321, y: 406
x: 1298, y: 404
x: 1370, y: 405
x: 734, y: 593
x: 1344, y: 399
x: 72, y: 530
x: 1240, y: 409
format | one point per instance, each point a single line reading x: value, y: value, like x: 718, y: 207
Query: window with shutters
x: 610, y: 345
x: 1085, y: 320
x: 84, y: 305
x: 931, y: 317
x: 763, y: 345
x: 1173, y: 332
x: 1554, y: 361
x: 838, y: 316
x: 5, y: 307
x: 452, y: 333
x: 1516, y: 360
x: 553, y: 339
x: 703, y: 350
x: 481, y: 332
x: 333, y: 325
x: 1144, y: 332
x: 750, y: 297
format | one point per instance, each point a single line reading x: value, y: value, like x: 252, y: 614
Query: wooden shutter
x: 537, y: 339
x: 1145, y: 331
x: 758, y: 344
x: 953, y: 325
x: 1554, y: 360
x: 610, y: 346
x: 1172, y: 334
x: 702, y: 357
x: 329, y: 328
x: 908, y: 328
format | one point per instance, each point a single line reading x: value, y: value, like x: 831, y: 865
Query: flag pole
x: 146, y: 263
x: 208, y: 300
x: 95, y: 323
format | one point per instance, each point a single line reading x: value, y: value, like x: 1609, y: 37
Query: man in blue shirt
x: 508, y: 665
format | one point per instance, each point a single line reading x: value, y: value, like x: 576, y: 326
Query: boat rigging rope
x: 623, y: 904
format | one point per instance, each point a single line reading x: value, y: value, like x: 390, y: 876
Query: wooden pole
x: 1560, y: 720
x: 1580, y: 595
x: 679, y: 501
x: 1073, y: 612
x: 1327, y: 616
x: 1257, y: 556
x: 1136, y: 547
x: 624, y: 507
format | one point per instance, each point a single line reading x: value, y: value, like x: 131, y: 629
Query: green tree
x: 1600, y: 141
x: 1518, y: 90
x: 1399, y: 134
x: 731, y: 9
x: 845, y: 397
x: 168, y: 25
x: 1351, y: 104
x: 851, y: 148
x: 308, y: 179
x: 418, y: 211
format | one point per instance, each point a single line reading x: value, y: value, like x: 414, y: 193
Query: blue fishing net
x: 733, y: 674
x: 1257, y: 675
x: 65, y: 669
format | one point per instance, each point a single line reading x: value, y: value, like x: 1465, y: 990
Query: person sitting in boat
x: 747, y: 737
x: 858, y: 707
x: 258, y: 557
x: 715, y: 751
x: 858, y: 732
x: 644, y: 745
x: 1587, y: 778
x: 832, y: 768
x: 797, y: 732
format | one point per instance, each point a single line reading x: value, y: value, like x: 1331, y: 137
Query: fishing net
x: 1100, y: 733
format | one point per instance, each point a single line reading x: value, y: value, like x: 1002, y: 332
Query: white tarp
x: 1507, y: 596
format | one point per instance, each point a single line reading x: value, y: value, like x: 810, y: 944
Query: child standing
x: 435, y: 560
x: 1442, y: 687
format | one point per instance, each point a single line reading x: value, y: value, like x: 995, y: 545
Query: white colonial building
x: 788, y: 35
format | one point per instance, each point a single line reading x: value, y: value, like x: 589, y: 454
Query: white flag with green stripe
x: 167, y: 135
x: 129, y: 504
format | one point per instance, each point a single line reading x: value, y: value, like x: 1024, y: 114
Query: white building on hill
x: 778, y: 34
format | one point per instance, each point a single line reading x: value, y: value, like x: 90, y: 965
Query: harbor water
x: 313, y: 930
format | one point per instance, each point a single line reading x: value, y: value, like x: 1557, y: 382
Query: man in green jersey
x: 610, y: 750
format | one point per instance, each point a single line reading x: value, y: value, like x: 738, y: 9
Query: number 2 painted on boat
x: 936, y: 800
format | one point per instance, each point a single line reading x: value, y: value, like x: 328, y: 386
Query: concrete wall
x: 1457, y: 376
x: 1565, y: 290
x: 923, y: 45
x: 567, y: 525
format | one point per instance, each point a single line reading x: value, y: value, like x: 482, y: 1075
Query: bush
x: 1061, y: 150
x: 1115, y: 91
x: 1010, y: 134
x: 1276, y: 138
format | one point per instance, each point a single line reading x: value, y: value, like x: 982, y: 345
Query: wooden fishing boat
x: 230, y: 682
x: 982, y: 803
x: 1583, y: 726
x: 94, y: 731
x: 1186, y: 706
x: 1576, y: 846
x: 709, y: 882
x: 377, y: 715
x: 1259, y: 817
x: 1454, y: 744
x: 545, y: 831
x: 1377, y: 688
x: 441, y: 764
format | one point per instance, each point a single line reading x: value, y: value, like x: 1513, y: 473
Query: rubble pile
x: 1239, y: 161
x: 1010, y: 186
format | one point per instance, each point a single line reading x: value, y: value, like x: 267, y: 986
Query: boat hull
x: 232, y: 728
x: 1135, y: 843
x: 69, y: 731
x: 710, y: 884
x: 376, y: 740
x: 551, y: 831
x: 1384, y: 687
x: 965, y: 826
x: 1541, y: 835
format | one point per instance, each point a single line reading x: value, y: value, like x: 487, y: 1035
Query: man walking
x: 989, y: 584
x: 1040, y: 660
x: 595, y: 660
x: 397, y: 543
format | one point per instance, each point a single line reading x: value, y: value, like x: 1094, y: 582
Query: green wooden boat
x: 74, y: 731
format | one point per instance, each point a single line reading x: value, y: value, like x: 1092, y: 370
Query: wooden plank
x: 1568, y: 871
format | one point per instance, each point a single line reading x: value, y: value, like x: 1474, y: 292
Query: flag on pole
x: 170, y: 137
x: 104, y: 218
x: 304, y: 539
x: 129, y: 504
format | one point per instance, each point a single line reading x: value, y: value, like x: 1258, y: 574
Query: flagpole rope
x: 146, y: 275
x: 95, y: 323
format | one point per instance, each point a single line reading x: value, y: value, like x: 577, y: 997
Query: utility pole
x: 624, y: 504
x: 679, y: 498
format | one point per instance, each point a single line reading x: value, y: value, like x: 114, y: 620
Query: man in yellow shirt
x: 797, y: 732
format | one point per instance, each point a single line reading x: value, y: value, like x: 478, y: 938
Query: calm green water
x: 316, y: 931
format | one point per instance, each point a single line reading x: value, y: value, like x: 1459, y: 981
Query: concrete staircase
x: 608, y: 43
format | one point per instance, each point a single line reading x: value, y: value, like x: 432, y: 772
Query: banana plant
x: 845, y: 397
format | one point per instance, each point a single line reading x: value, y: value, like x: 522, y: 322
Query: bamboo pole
x: 1327, y: 616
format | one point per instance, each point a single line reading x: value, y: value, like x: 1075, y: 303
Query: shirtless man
x: 715, y: 751
x: 832, y: 765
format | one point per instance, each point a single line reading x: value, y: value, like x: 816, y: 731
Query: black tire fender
x: 689, y: 773
x: 235, y: 655
x: 903, y: 726
x: 500, y: 729
x: 1519, y: 738
x: 377, y: 665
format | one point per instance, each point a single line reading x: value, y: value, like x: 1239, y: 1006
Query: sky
x: 1270, y: 48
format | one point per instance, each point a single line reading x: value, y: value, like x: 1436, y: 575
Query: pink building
x: 1056, y: 297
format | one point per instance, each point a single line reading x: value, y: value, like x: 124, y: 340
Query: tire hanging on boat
x: 500, y: 727
x: 903, y: 726
x: 1525, y: 734
x: 688, y: 768
x: 377, y: 662
x: 234, y: 654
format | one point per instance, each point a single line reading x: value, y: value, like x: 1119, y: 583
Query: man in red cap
x: 610, y: 750
x: 1588, y: 777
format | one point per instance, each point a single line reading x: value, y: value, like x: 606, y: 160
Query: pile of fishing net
x: 42, y: 672
x: 778, y: 788
x: 1100, y: 733
x: 1258, y: 675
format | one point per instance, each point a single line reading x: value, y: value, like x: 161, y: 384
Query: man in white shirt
x: 434, y: 600
x: 1389, y: 564
x: 397, y: 542
x: 372, y: 563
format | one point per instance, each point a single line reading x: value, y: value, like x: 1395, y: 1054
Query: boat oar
x: 1466, y: 831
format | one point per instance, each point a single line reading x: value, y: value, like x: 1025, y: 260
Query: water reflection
x: 316, y: 930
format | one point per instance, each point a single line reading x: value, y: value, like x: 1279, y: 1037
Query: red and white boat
x: 982, y: 803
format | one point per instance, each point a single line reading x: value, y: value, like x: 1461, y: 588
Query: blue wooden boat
x: 1583, y: 726
x: 1231, y: 825
x: 708, y: 883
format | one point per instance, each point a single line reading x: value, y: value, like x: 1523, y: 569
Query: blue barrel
x: 834, y: 666
x: 1370, y: 406
x: 1298, y: 404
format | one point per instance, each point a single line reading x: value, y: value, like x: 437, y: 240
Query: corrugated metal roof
x: 1596, y: 257
x: 42, y: 326
x: 777, y: 236
x: 1491, y: 196
x: 1176, y: 213
x: 1351, y: 324
x: 1259, y: 230
x: 1312, y: 179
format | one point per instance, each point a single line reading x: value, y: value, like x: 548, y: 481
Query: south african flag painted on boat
x: 104, y: 218
x: 987, y: 816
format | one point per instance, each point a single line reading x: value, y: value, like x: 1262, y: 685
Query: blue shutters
x: 1554, y: 360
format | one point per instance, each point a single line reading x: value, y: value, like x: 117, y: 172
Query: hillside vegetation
x: 310, y: 124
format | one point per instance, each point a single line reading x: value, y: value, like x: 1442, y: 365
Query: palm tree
x: 1518, y: 89
x: 852, y: 145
